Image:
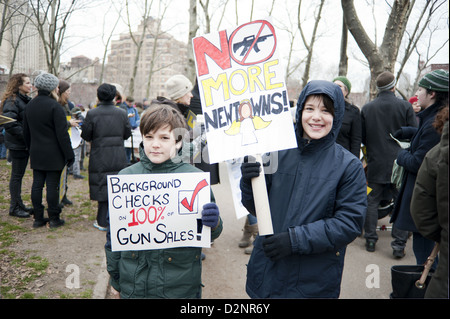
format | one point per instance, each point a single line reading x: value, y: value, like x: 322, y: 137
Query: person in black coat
x: 380, y: 118
x: 432, y: 95
x: 47, y: 137
x: 350, y: 133
x: 106, y: 127
x: 15, y: 100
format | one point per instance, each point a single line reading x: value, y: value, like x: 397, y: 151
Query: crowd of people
x: 323, y: 195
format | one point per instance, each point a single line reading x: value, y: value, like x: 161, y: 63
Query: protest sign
x: 242, y: 90
x: 244, y: 100
x: 156, y: 211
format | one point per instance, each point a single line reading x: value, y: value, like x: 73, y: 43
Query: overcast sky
x: 87, y: 27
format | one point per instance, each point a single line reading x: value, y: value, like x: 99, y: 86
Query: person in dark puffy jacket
x: 14, y: 102
x: 106, y: 127
x: 317, y: 200
x: 432, y: 95
x: 47, y: 138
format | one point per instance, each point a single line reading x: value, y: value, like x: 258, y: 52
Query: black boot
x: 40, y: 223
x: 39, y: 219
x: 19, y: 212
x: 56, y: 222
x: 66, y: 201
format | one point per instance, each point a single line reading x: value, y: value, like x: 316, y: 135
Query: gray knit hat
x: 436, y: 80
x: 385, y: 81
x: 46, y: 81
x: 177, y: 86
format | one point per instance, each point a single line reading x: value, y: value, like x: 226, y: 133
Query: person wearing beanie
x: 432, y: 96
x: 345, y: 85
x: 415, y: 104
x: 381, y: 117
x: 350, y: 133
x: 106, y: 127
x: 48, y: 141
x: 46, y: 82
x: 385, y: 81
x: 178, y: 89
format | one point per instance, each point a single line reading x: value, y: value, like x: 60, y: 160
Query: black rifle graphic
x: 248, y: 41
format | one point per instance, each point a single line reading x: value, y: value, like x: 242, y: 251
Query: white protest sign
x: 242, y: 90
x: 234, y: 175
x: 156, y: 211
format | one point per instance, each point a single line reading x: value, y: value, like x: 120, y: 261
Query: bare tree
x: 426, y: 14
x: 155, y: 35
x: 51, y: 19
x: 383, y: 57
x: 308, y: 45
x: 108, y: 40
x: 138, y: 40
x: 193, y: 27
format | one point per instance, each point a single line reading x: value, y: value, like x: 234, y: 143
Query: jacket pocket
x: 182, y: 272
x: 319, y: 276
x: 256, y: 267
x: 131, y: 283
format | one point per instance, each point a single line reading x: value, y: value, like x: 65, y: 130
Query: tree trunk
x: 382, y: 58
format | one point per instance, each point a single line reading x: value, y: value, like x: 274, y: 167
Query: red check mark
x: 197, y: 189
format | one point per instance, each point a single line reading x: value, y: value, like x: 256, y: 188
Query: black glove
x: 398, y: 134
x: 250, y: 168
x: 210, y: 215
x: 277, y: 246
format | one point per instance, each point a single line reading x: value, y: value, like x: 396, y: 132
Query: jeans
x: 76, y: 164
x: 52, y: 180
x: 378, y: 193
x: 19, y: 166
x: 2, y: 150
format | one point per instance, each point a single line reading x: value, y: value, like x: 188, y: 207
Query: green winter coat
x: 159, y: 273
x: 429, y: 210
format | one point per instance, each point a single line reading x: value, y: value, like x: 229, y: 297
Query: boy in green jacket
x: 161, y: 273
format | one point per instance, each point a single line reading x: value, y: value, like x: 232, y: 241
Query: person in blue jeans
x: 134, y: 118
x: 2, y: 143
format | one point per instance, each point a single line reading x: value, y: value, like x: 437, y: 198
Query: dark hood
x: 335, y: 93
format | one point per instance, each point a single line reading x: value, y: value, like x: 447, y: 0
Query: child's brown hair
x: 158, y: 115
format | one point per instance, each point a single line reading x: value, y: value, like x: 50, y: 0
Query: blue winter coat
x: 422, y: 139
x: 317, y: 195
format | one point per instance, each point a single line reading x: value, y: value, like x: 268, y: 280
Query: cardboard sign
x: 242, y: 90
x: 156, y: 211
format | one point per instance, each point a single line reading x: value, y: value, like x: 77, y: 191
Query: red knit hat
x: 413, y: 99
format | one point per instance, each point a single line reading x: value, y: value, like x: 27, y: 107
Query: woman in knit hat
x: 178, y: 90
x: 47, y: 138
x: 415, y: 104
x: 350, y: 135
x: 432, y: 96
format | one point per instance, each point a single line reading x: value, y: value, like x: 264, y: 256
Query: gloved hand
x: 210, y: 215
x: 277, y: 246
x: 398, y: 134
x: 250, y: 168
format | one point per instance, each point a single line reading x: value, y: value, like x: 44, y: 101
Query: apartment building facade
x: 168, y: 56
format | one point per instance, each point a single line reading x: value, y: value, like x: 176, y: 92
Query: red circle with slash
x: 253, y: 42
